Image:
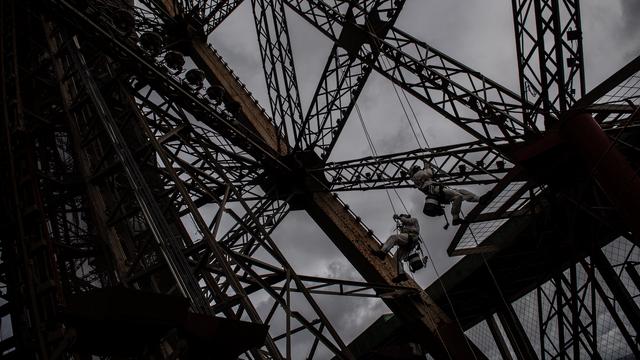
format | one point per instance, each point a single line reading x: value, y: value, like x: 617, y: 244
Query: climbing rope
x: 375, y: 156
x: 486, y: 263
x: 374, y: 152
x: 428, y: 146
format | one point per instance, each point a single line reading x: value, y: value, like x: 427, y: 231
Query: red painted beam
x: 607, y: 165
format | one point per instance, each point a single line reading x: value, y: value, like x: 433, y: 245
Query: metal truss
x: 549, y: 48
x: 232, y: 289
x: 148, y: 182
x: 127, y: 168
x: 277, y: 63
x: 203, y: 16
x: 224, y: 270
x: 152, y: 68
x: 25, y: 238
x: 477, y: 104
x: 461, y: 164
x: 575, y: 314
x: 568, y: 316
x: 344, y: 74
x: 198, y: 149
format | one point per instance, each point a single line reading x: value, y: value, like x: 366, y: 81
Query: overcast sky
x: 478, y: 33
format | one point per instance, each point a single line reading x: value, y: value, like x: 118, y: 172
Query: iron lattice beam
x: 176, y: 245
x: 477, y: 104
x: 217, y: 116
x: 345, y: 75
x: 549, y: 49
x: 228, y: 291
x: 75, y: 80
x: 462, y: 164
x: 278, y: 66
x: 204, y: 16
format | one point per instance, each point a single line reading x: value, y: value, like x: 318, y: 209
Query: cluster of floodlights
x: 153, y: 44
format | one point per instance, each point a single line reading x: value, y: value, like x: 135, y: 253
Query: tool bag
x: 433, y: 202
x: 416, y: 258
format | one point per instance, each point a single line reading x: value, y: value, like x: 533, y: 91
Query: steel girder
x: 432, y: 80
x: 277, y: 63
x: 583, y: 311
x: 479, y: 105
x: 344, y: 74
x: 549, y: 48
x: 461, y: 164
x: 75, y: 79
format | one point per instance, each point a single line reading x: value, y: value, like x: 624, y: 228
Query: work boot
x: 400, y: 278
x: 456, y: 221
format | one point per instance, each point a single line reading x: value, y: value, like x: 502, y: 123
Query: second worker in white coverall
x: 423, y: 180
x: 408, y: 237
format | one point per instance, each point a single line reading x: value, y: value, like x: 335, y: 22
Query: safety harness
x: 433, y: 204
x: 415, y: 257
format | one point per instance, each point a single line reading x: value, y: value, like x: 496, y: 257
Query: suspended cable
x: 486, y: 263
x: 373, y: 151
x: 375, y: 155
x: 457, y: 320
x: 446, y: 294
x: 406, y: 115
x: 415, y: 117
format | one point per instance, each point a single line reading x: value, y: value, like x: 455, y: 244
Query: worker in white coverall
x: 408, y: 237
x: 423, y: 180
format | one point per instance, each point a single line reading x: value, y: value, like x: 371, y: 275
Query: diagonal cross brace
x: 278, y: 66
x: 345, y: 75
x: 477, y: 104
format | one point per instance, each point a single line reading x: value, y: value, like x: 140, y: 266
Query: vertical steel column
x: 560, y: 314
x: 549, y: 51
x: 621, y: 295
x: 575, y: 315
x: 540, y: 322
x: 516, y: 334
x: 499, y: 339
x: 631, y: 342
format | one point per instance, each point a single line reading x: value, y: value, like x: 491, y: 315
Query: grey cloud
x: 631, y: 15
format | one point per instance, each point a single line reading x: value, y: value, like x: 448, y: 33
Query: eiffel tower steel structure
x: 134, y: 158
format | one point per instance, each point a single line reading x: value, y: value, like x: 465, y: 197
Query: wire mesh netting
x: 577, y: 314
x: 478, y: 232
x: 504, y: 195
x: 529, y: 318
x: 613, y: 109
x: 628, y: 90
x: 481, y: 336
